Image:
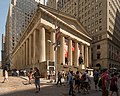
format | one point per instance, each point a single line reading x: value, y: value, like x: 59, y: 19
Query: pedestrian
x: 30, y: 76
x: 100, y: 82
x: 105, y: 82
x: 59, y: 78
x: 37, y: 79
x: 114, y: 85
x: 87, y: 81
x: 96, y: 78
x: 77, y: 81
x: 5, y: 74
x: 70, y: 80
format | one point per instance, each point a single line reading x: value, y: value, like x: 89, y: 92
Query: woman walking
x: 113, y: 85
x: 37, y: 79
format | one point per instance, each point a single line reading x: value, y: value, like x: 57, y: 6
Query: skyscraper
x: 19, y: 16
x: 101, y: 19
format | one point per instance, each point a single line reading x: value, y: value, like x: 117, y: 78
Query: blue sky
x: 4, y: 4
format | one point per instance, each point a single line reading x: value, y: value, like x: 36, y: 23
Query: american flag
x: 58, y: 34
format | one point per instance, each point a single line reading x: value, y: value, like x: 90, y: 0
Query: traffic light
x: 80, y: 60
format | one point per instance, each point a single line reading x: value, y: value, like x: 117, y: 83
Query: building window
x: 92, y: 24
x: 89, y: 26
x: 85, y: 21
x: 100, y: 20
x: 88, y: 19
x: 85, y: 7
x: 92, y: 2
x: 88, y: 12
x: 98, y: 46
x: 100, y: 28
x: 82, y: 3
x: 100, y: 4
x: 96, y: 7
x: 85, y: 14
x: 96, y: 29
x: 96, y: 0
x: 98, y: 55
x: 100, y: 37
x: 92, y: 10
x: 100, y: 12
x: 92, y: 17
x: 89, y: 5
x: 92, y: 31
x: 96, y: 14
x: 96, y: 22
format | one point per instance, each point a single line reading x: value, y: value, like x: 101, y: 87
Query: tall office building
x: 101, y: 19
x: 3, y: 52
x: 19, y: 16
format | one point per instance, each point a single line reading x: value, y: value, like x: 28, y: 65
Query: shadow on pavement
x: 46, y: 90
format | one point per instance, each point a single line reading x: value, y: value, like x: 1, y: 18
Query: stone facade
x: 34, y: 48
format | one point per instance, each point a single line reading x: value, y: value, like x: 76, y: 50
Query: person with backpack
x: 96, y: 78
x: 37, y: 79
x: 114, y: 85
x: 86, y: 81
x: 70, y: 81
x: 105, y: 82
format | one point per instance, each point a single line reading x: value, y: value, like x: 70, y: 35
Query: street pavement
x: 17, y: 86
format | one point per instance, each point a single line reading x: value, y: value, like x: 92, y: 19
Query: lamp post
x: 55, y: 44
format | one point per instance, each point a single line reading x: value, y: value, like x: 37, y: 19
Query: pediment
x: 71, y: 21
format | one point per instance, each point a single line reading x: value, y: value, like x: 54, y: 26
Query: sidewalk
x: 42, y: 80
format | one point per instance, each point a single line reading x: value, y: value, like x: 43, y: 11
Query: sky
x: 4, y: 4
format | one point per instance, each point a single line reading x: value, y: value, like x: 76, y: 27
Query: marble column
x: 62, y: 46
x: 42, y: 44
x: 89, y: 56
x: 76, y: 54
x: 52, y: 52
x: 30, y: 50
x: 86, y: 56
x: 70, y: 52
x: 83, y: 52
x: 26, y: 48
x: 22, y: 56
x: 34, y: 46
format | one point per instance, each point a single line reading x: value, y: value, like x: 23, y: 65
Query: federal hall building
x: 38, y: 42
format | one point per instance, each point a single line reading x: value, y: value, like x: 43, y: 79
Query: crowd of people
x: 80, y: 82
x: 104, y: 81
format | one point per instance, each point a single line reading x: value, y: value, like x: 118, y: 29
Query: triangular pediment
x: 70, y: 20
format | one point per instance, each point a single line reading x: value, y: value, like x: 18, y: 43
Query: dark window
x: 98, y: 46
x: 98, y: 55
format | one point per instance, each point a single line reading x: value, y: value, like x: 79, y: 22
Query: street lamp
x: 55, y: 44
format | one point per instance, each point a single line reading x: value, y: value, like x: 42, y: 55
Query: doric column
x: 30, y: 50
x: 70, y: 52
x: 24, y: 55
x: 21, y: 56
x: 42, y: 44
x: 76, y: 54
x: 52, y: 52
x: 83, y: 52
x: 89, y: 56
x: 34, y: 46
x: 26, y: 48
x: 62, y: 55
x: 86, y: 56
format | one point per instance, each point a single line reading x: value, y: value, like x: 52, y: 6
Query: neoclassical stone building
x: 34, y: 48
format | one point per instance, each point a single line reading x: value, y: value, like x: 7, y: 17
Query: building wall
x: 40, y: 50
x: 101, y: 19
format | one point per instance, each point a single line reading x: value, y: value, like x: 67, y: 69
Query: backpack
x: 83, y: 77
